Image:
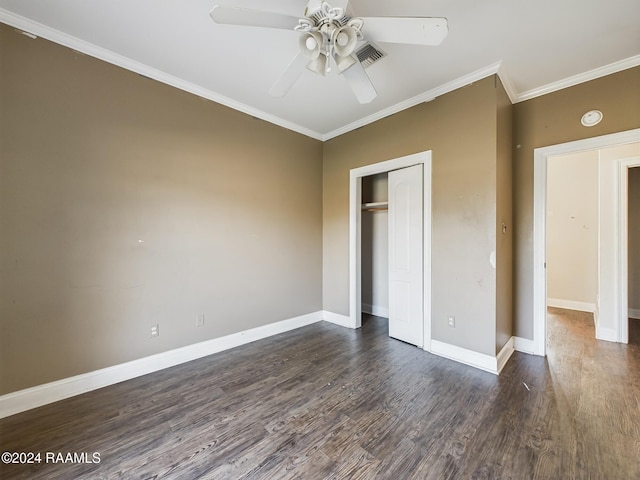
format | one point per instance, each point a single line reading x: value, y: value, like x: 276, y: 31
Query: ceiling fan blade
x: 360, y: 83
x: 252, y: 18
x: 411, y: 30
x: 289, y: 76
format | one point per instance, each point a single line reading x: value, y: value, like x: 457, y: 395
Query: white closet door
x: 405, y: 255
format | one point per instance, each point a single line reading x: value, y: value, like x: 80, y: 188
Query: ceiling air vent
x: 369, y: 54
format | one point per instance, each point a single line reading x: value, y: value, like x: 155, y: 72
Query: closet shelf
x: 374, y: 206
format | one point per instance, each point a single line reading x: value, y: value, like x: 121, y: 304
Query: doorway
x: 375, y: 245
x: 355, y: 237
x: 572, y: 234
x: 612, y: 262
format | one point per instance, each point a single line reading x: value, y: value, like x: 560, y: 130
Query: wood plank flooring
x: 327, y: 402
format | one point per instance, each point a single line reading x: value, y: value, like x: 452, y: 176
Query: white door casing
x: 355, y: 200
x: 405, y: 255
x: 618, y: 282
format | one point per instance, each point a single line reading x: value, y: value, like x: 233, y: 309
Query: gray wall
x: 550, y: 120
x: 93, y: 159
x: 461, y: 130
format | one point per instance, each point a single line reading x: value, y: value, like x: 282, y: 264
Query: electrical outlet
x: 155, y: 330
x: 200, y: 320
x: 452, y: 321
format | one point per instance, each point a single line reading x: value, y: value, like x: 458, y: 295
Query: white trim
x: 482, y: 361
x: 59, y: 37
x: 539, y: 252
x: 505, y: 354
x: 623, y: 251
x: 540, y: 156
x: 421, y: 98
x: 614, y: 67
x: 355, y: 247
x: 426, y: 277
x: 40, y: 395
x: 634, y: 313
x: 524, y: 345
x: 85, y: 47
x: 375, y: 310
x: 355, y: 194
x: 337, y: 319
x: 462, y: 355
x: 571, y: 305
x: 108, y: 56
x: 607, y: 334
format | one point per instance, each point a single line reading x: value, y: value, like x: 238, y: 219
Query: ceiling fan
x: 329, y: 35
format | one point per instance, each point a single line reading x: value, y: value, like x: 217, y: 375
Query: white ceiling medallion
x: 591, y: 118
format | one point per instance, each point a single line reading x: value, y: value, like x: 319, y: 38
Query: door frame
x: 623, y: 253
x: 355, y: 235
x: 540, y: 158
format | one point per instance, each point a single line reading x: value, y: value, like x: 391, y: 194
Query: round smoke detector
x: 591, y: 118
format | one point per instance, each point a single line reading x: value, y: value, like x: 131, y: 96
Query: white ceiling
x: 536, y: 46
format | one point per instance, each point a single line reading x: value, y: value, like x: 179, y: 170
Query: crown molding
x: 580, y: 78
x: 35, y: 28
x: 421, y: 98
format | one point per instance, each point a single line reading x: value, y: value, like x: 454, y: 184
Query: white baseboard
x: 482, y: 361
x: 338, y: 319
x: 604, y: 333
x: 608, y: 334
x: 524, y: 345
x: 571, y: 305
x: 634, y: 313
x: 40, y: 395
x: 505, y: 354
x: 375, y: 310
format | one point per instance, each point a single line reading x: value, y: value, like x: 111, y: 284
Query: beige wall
x: 504, y: 216
x: 93, y: 159
x: 549, y: 120
x: 241, y: 220
x: 634, y: 239
x: 461, y: 130
x: 572, y: 228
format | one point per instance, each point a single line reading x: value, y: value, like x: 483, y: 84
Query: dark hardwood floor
x: 327, y: 402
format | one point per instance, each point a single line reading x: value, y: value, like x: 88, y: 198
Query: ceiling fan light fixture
x: 318, y: 64
x: 330, y: 35
x: 343, y: 63
x: 344, y: 40
x: 311, y: 44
